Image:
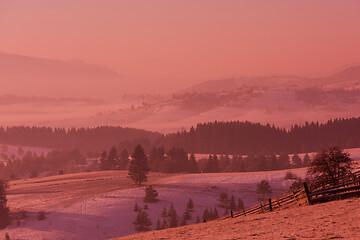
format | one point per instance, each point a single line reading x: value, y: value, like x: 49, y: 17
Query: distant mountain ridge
x: 349, y: 77
x: 23, y: 75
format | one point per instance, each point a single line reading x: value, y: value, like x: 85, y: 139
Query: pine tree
x: 112, y: 159
x: 206, y: 215
x: 138, y: 168
x: 240, y: 205
x: 173, y: 219
x: 151, y: 194
x: 4, y: 210
x: 123, y: 160
x: 187, y: 215
x: 263, y: 189
x: 183, y: 222
x: 190, y: 205
x: 164, y: 224
x: 103, y: 162
x: 193, y: 166
x: 164, y: 212
x: 224, y: 200
x: 142, y: 222
x: 158, y: 225
x: 296, y: 160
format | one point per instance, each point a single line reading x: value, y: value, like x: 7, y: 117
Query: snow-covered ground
x: 111, y: 214
x: 332, y: 220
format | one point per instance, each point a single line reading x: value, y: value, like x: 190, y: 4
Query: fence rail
x: 346, y: 187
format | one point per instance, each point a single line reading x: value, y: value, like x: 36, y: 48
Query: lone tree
x: 329, y: 165
x: 263, y: 189
x: 4, y: 210
x: 142, y: 222
x: 138, y: 167
x: 151, y: 194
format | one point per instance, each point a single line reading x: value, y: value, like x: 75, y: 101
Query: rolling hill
x: 23, y: 75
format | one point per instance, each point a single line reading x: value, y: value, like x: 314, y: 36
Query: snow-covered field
x: 332, y: 220
x: 107, y: 211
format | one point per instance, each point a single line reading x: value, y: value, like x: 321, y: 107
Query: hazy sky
x: 188, y: 40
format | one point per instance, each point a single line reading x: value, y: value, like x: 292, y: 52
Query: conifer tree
x: 103, y: 162
x: 164, y: 224
x: 4, y: 210
x: 142, y: 222
x: 296, y: 160
x: 158, y: 225
x: 240, y: 205
x: 263, y: 189
x: 183, y: 222
x: 112, y: 159
x: 138, y: 168
x: 173, y: 218
x: 151, y: 194
x: 193, y: 166
x: 164, y: 212
x: 190, y: 205
x: 187, y: 215
x: 206, y: 215
x: 224, y: 200
x: 123, y: 159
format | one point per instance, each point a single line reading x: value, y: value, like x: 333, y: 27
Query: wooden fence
x: 348, y: 186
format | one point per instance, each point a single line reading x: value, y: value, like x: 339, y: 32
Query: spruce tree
x: 206, y: 215
x: 123, y: 160
x: 138, y: 168
x: 164, y: 224
x: 173, y: 219
x: 151, y: 194
x: 103, y: 162
x: 112, y: 159
x: 158, y: 225
x: 193, y: 166
x: 240, y: 205
x: 183, y: 222
x: 296, y: 160
x: 4, y: 210
x: 142, y: 222
x: 224, y: 200
x: 190, y: 205
x: 164, y: 212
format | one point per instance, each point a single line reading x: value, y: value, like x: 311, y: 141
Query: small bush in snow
x: 41, y: 215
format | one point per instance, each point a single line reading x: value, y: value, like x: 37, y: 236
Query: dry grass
x: 338, y: 219
x: 52, y: 193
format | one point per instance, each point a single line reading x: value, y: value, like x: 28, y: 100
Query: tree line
x: 233, y: 137
x: 251, y: 138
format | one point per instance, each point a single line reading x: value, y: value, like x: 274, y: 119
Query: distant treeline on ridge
x: 214, y: 137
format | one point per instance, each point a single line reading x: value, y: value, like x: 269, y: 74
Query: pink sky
x: 188, y: 40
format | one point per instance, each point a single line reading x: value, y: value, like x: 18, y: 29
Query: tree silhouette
x: 151, y: 194
x: 263, y: 189
x: 138, y: 167
x: 142, y: 222
x: 329, y: 165
x: 4, y: 210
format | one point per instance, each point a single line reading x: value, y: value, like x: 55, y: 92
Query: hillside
x: 23, y: 75
x: 99, y: 205
x: 338, y: 219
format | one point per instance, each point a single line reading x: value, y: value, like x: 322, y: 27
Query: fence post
x: 270, y: 206
x: 262, y: 210
x: 244, y: 211
x: 307, y: 192
x: 232, y: 215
